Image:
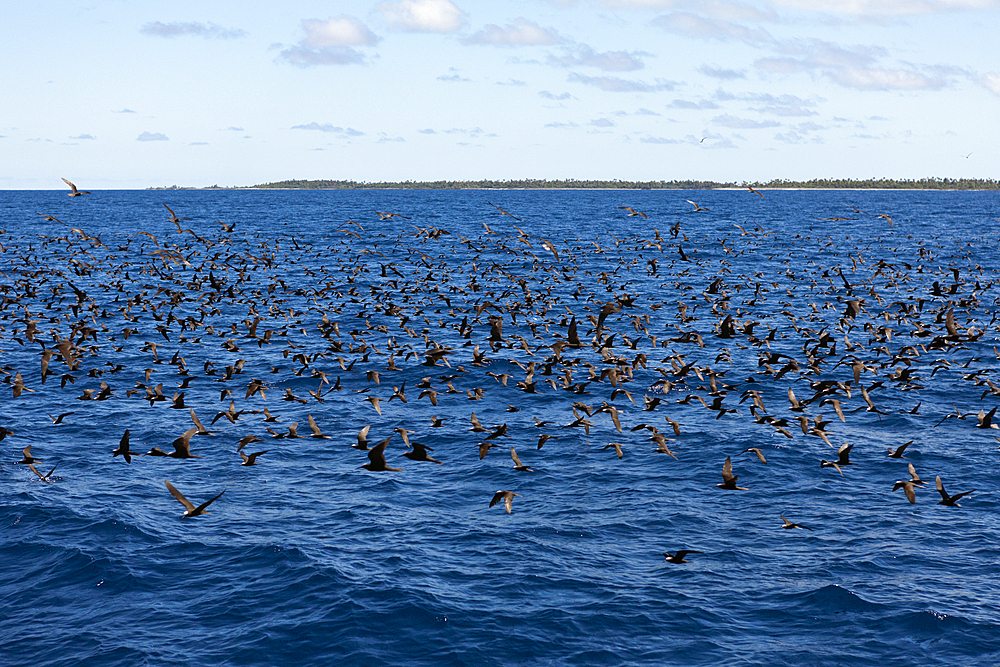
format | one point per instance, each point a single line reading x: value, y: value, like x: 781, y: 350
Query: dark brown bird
x: 506, y: 496
x: 950, y: 501
x: 729, y: 479
x: 376, y: 458
x: 189, y: 508
x: 678, y: 557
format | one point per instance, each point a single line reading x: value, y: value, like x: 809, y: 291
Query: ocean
x: 488, y: 303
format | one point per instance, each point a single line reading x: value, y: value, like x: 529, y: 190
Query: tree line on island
x: 594, y: 184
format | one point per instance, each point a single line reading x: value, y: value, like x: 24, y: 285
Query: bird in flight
x: 753, y: 191
x: 503, y: 212
x: 75, y: 192
x: 678, y: 557
x: 506, y: 496
x: 632, y: 211
x: 189, y: 508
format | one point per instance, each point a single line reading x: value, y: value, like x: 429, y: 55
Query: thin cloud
x: 329, y: 127
x: 124, y: 111
x: 613, y: 84
x: 687, y: 104
x: 559, y: 125
x: 689, y: 24
x: 182, y: 29
x: 582, y: 55
x: 722, y: 73
x: 152, y: 136
x: 659, y: 140
x: 552, y: 96
x: 84, y: 136
x: 736, y: 123
x: 521, y: 32
x: 454, y: 78
x: 888, y: 7
x: 440, y: 16
x: 601, y: 122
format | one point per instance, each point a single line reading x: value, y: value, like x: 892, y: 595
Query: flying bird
x: 189, y: 508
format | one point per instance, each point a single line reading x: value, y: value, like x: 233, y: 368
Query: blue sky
x: 133, y: 94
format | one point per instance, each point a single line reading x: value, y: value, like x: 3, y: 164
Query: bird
x: 123, y: 448
x: 755, y: 450
x: 696, y: 206
x: 729, y: 479
x: 376, y: 458
x: 44, y: 478
x: 189, y: 508
x: 950, y: 501
x: 753, y: 191
x: 618, y: 448
x: 73, y: 191
x: 362, y: 442
x: 908, y: 489
x: 678, y: 557
x: 898, y: 452
x: 419, y: 453
x: 789, y: 525
x: 182, y: 446
x: 506, y: 496
x: 249, y: 460
x: 517, y: 462
x: 632, y: 211
x: 390, y: 216
x: 59, y: 418
x: 28, y: 459
x: 503, y: 212
x: 316, y: 433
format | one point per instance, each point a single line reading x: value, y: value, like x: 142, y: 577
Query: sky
x: 115, y: 94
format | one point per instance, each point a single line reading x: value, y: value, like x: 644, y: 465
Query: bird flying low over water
x: 190, y: 509
x: 74, y: 192
x: 678, y: 557
x: 506, y: 496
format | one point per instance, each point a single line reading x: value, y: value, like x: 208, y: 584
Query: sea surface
x: 309, y: 559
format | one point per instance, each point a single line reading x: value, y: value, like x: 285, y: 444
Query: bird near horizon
x: 73, y: 191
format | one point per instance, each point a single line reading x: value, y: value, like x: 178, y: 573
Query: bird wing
x: 188, y: 505
x: 200, y: 509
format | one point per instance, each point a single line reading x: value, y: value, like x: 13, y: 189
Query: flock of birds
x: 358, y: 307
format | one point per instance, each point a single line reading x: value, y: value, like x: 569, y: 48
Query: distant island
x: 571, y: 184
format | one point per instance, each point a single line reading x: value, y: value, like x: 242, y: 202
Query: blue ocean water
x: 307, y: 558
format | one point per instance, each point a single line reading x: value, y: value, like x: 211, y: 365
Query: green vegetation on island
x: 594, y: 184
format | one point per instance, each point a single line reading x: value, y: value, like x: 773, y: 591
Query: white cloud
x: 179, y: 28
x: 84, y: 136
x: 561, y: 125
x: 453, y: 78
x: 992, y: 81
x: 601, y: 122
x: 521, y: 32
x: 330, y: 42
x: 422, y: 15
x: 342, y: 30
x: 582, y: 55
x: 152, y: 136
x: 613, y: 84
